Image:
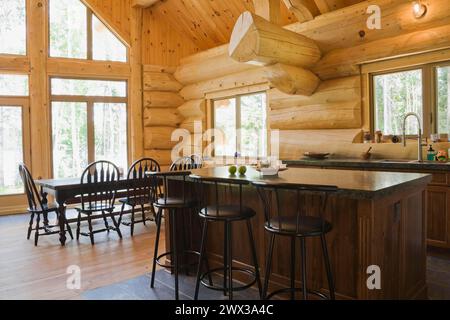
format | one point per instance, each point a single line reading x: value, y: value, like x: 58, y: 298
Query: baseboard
x: 11, y: 210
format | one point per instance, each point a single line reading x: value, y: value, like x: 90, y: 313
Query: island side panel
x: 391, y: 235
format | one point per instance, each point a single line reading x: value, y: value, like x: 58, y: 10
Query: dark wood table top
x: 359, y: 184
x: 65, y: 184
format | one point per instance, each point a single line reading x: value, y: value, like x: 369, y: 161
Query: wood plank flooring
x: 29, y: 272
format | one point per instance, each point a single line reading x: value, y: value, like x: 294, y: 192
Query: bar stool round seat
x: 289, y: 226
x: 227, y: 213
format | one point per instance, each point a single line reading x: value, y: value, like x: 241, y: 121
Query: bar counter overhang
x: 378, y: 219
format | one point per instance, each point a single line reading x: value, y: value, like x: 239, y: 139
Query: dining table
x: 68, y: 191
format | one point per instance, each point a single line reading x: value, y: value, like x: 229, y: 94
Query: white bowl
x: 269, y: 171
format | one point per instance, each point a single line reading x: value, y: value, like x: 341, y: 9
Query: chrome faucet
x: 419, y: 142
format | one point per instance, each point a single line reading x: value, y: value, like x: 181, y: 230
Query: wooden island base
x: 387, y: 231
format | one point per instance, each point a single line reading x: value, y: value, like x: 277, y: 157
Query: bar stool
x: 176, y: 206
x: 296, y: 225
x: 226, y: 213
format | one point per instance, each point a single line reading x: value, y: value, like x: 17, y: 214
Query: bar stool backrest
x: 98, y: 185
x: 139, y: 185
x: 33, y: 196
x: 160, y: 180
x: 225, y: 192
x: 182, y: 164
x: 301, y: 201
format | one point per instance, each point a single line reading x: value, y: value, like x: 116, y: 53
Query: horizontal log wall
x: 161, y: 118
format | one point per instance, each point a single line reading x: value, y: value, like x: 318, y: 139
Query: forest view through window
x: 13, y: 27
x: 242, y: 122
x: 89, y: 123
x: 75, y: 32
x: 395, y: 95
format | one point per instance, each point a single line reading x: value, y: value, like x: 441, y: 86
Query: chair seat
x: 174, y: 203
x: 227, y: 212
x: 96, y: 208
x: 136, y: 201
x: 47, y: 208
x: 305, y: 226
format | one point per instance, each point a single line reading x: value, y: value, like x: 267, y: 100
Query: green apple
x: 242, y: 170
x: 232, y: 170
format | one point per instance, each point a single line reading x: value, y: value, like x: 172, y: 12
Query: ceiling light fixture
x: 419, y: 9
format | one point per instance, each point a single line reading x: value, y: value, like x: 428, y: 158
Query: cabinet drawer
x: 440, y: 179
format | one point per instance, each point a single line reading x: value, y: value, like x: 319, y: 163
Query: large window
x: 396, y: 94
x: 13, y: 27
x: 13, y: 117
x: 89, y: 123
x: 242, y: 122
x: 423, y: 90
x: 443, y: 100
x: 75, y: 32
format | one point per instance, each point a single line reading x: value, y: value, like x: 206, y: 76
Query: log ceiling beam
x: 323, y: 6
x: 269, y: 10
x: 144, y: 3
x: 304, y: 10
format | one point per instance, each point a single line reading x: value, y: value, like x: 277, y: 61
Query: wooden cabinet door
x: 437, y: 216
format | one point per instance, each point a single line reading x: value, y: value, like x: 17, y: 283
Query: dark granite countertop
x: 352, y: 184
x: 372, y: 164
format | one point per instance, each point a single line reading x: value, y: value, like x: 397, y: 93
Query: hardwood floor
x: 29, y: 272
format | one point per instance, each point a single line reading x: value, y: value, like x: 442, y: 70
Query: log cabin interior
x: 215, y: 150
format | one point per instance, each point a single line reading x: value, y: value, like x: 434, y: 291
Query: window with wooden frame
x: 76, y: 32
x: 89, y: 123
x: 13, y: 25
x: 423, y: 89
x: 14, y: 134
x: 242, y: 123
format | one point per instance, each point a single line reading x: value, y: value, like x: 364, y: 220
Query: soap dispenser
x: 431, y: 154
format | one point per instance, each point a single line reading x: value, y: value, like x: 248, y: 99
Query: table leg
x: 62, y: 222
x: 44, y: 202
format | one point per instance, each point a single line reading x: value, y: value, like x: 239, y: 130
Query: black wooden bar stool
x: 176, y: 204
x: 214, y: 209
x: 292, y: 217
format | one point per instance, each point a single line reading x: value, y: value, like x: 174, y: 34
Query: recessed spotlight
x: 419, y: 9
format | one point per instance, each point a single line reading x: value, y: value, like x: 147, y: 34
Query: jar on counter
x: 367, y: 137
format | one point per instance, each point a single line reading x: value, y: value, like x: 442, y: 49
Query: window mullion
x: 89, y: 34
x: 91, y: 132
x: 238, y: 124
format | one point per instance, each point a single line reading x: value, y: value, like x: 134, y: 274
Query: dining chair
x: 98, y: 194
x: 37, y: 206
x: 198, y: 161
x: 139, y: 191
x: 182, y: 164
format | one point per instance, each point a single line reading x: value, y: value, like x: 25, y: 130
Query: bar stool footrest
x: 288, y: 290
x: 218, y: 288
x: 171, y: 266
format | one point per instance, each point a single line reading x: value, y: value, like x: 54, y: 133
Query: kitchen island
x: 378, y: 219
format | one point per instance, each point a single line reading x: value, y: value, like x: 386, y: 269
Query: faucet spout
x: 419, y: 140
